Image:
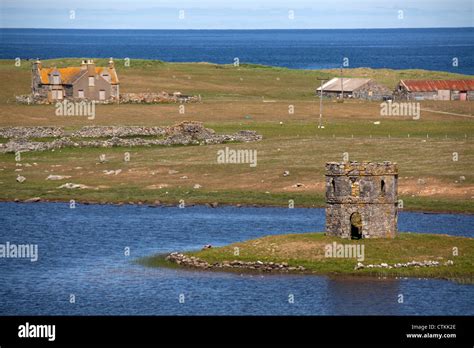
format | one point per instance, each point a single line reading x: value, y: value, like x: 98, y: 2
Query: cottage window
x: 101, y: 94
x: 80, y: 93
x: 91, y: 81
x: 56, y: 80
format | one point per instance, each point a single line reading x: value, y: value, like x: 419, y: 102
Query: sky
x: 235, y: 14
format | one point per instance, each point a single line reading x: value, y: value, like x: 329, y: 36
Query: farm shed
x: 435, y: 90
x: 359, y: 88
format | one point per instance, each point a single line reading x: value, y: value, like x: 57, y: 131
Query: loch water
x: 81, y: 253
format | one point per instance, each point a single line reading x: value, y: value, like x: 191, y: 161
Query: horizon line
x: 246, y: 29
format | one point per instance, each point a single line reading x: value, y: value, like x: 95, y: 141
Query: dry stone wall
x: 185, y: 133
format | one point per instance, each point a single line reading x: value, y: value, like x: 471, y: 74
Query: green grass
x: 237, y: 184
x: 308, y: 250
x: 362, y: 129
x: 242, y: 82
x: 233, y: 99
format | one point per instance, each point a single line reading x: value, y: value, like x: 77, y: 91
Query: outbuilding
x: 435, y: 90
x: 359, y: 88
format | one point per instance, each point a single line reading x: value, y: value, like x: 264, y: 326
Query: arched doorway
x: 356, y: 226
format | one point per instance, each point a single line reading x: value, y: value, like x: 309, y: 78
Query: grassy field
x: 308, y: 250
x: 246, y: 97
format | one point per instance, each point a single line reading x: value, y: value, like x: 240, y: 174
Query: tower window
x: 355, y: 187
x: 382, y: 188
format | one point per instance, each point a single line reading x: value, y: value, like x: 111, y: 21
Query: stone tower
x: 361, y: 199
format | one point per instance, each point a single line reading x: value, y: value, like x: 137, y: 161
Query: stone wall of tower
x: 369, y: 189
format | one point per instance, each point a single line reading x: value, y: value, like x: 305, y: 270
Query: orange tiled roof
x: 71, y: 74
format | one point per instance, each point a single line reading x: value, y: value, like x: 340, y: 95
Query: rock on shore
x: 195, y: 262
x: 426, y: 263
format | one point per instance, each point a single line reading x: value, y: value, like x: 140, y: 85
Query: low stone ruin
x: 184, y: 133
x: 31, y: 132
x: 195, y: 262
x: 125, y: 98
x: 117, y: 131
x: 156, y: 98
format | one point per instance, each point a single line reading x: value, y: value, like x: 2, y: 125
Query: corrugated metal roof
x: 350, y: 84
x: 435, y: 85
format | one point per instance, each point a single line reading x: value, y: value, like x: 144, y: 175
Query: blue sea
x: 430, y: 49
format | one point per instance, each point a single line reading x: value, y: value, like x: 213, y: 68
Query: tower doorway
x: 356, y: 226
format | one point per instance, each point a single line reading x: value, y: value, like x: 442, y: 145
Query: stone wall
x: 184, y: 133
x: 125, y: 98
x: 404, y: 95
x: 31, y: 132
x: 368, y: 190
x: 155, y: 98
x: 118, y: 131
x: 371, y: 91
x: 378, y: 220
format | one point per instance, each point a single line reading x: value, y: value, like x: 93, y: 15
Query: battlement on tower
x: 361, y: 168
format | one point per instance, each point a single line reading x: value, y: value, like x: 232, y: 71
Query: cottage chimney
x: 83, y: 65
x: 111, y: 63
x: 90, y: 67
x: 37, y: 64
x: 36, y: 77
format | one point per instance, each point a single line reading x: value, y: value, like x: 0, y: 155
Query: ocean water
x: 430, y: 49
x: 81, y: 252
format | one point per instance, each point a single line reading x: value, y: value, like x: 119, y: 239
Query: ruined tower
x: 361, y: 199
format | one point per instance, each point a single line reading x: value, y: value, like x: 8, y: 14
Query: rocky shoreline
x: 155, y: 204
x: 211, y: 205
x: 184, y: 133
x: 258, y: 266
x: 425, y: 263
x: 283, y: 267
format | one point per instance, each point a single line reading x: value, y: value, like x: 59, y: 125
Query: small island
x: 361, y: 237
x: 407, y: 255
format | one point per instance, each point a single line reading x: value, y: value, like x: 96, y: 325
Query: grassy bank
x: 169, y: 174
x: 308, y: 250
x: 246, y: 97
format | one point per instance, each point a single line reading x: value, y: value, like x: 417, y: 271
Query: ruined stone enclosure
x: 361, y: 199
